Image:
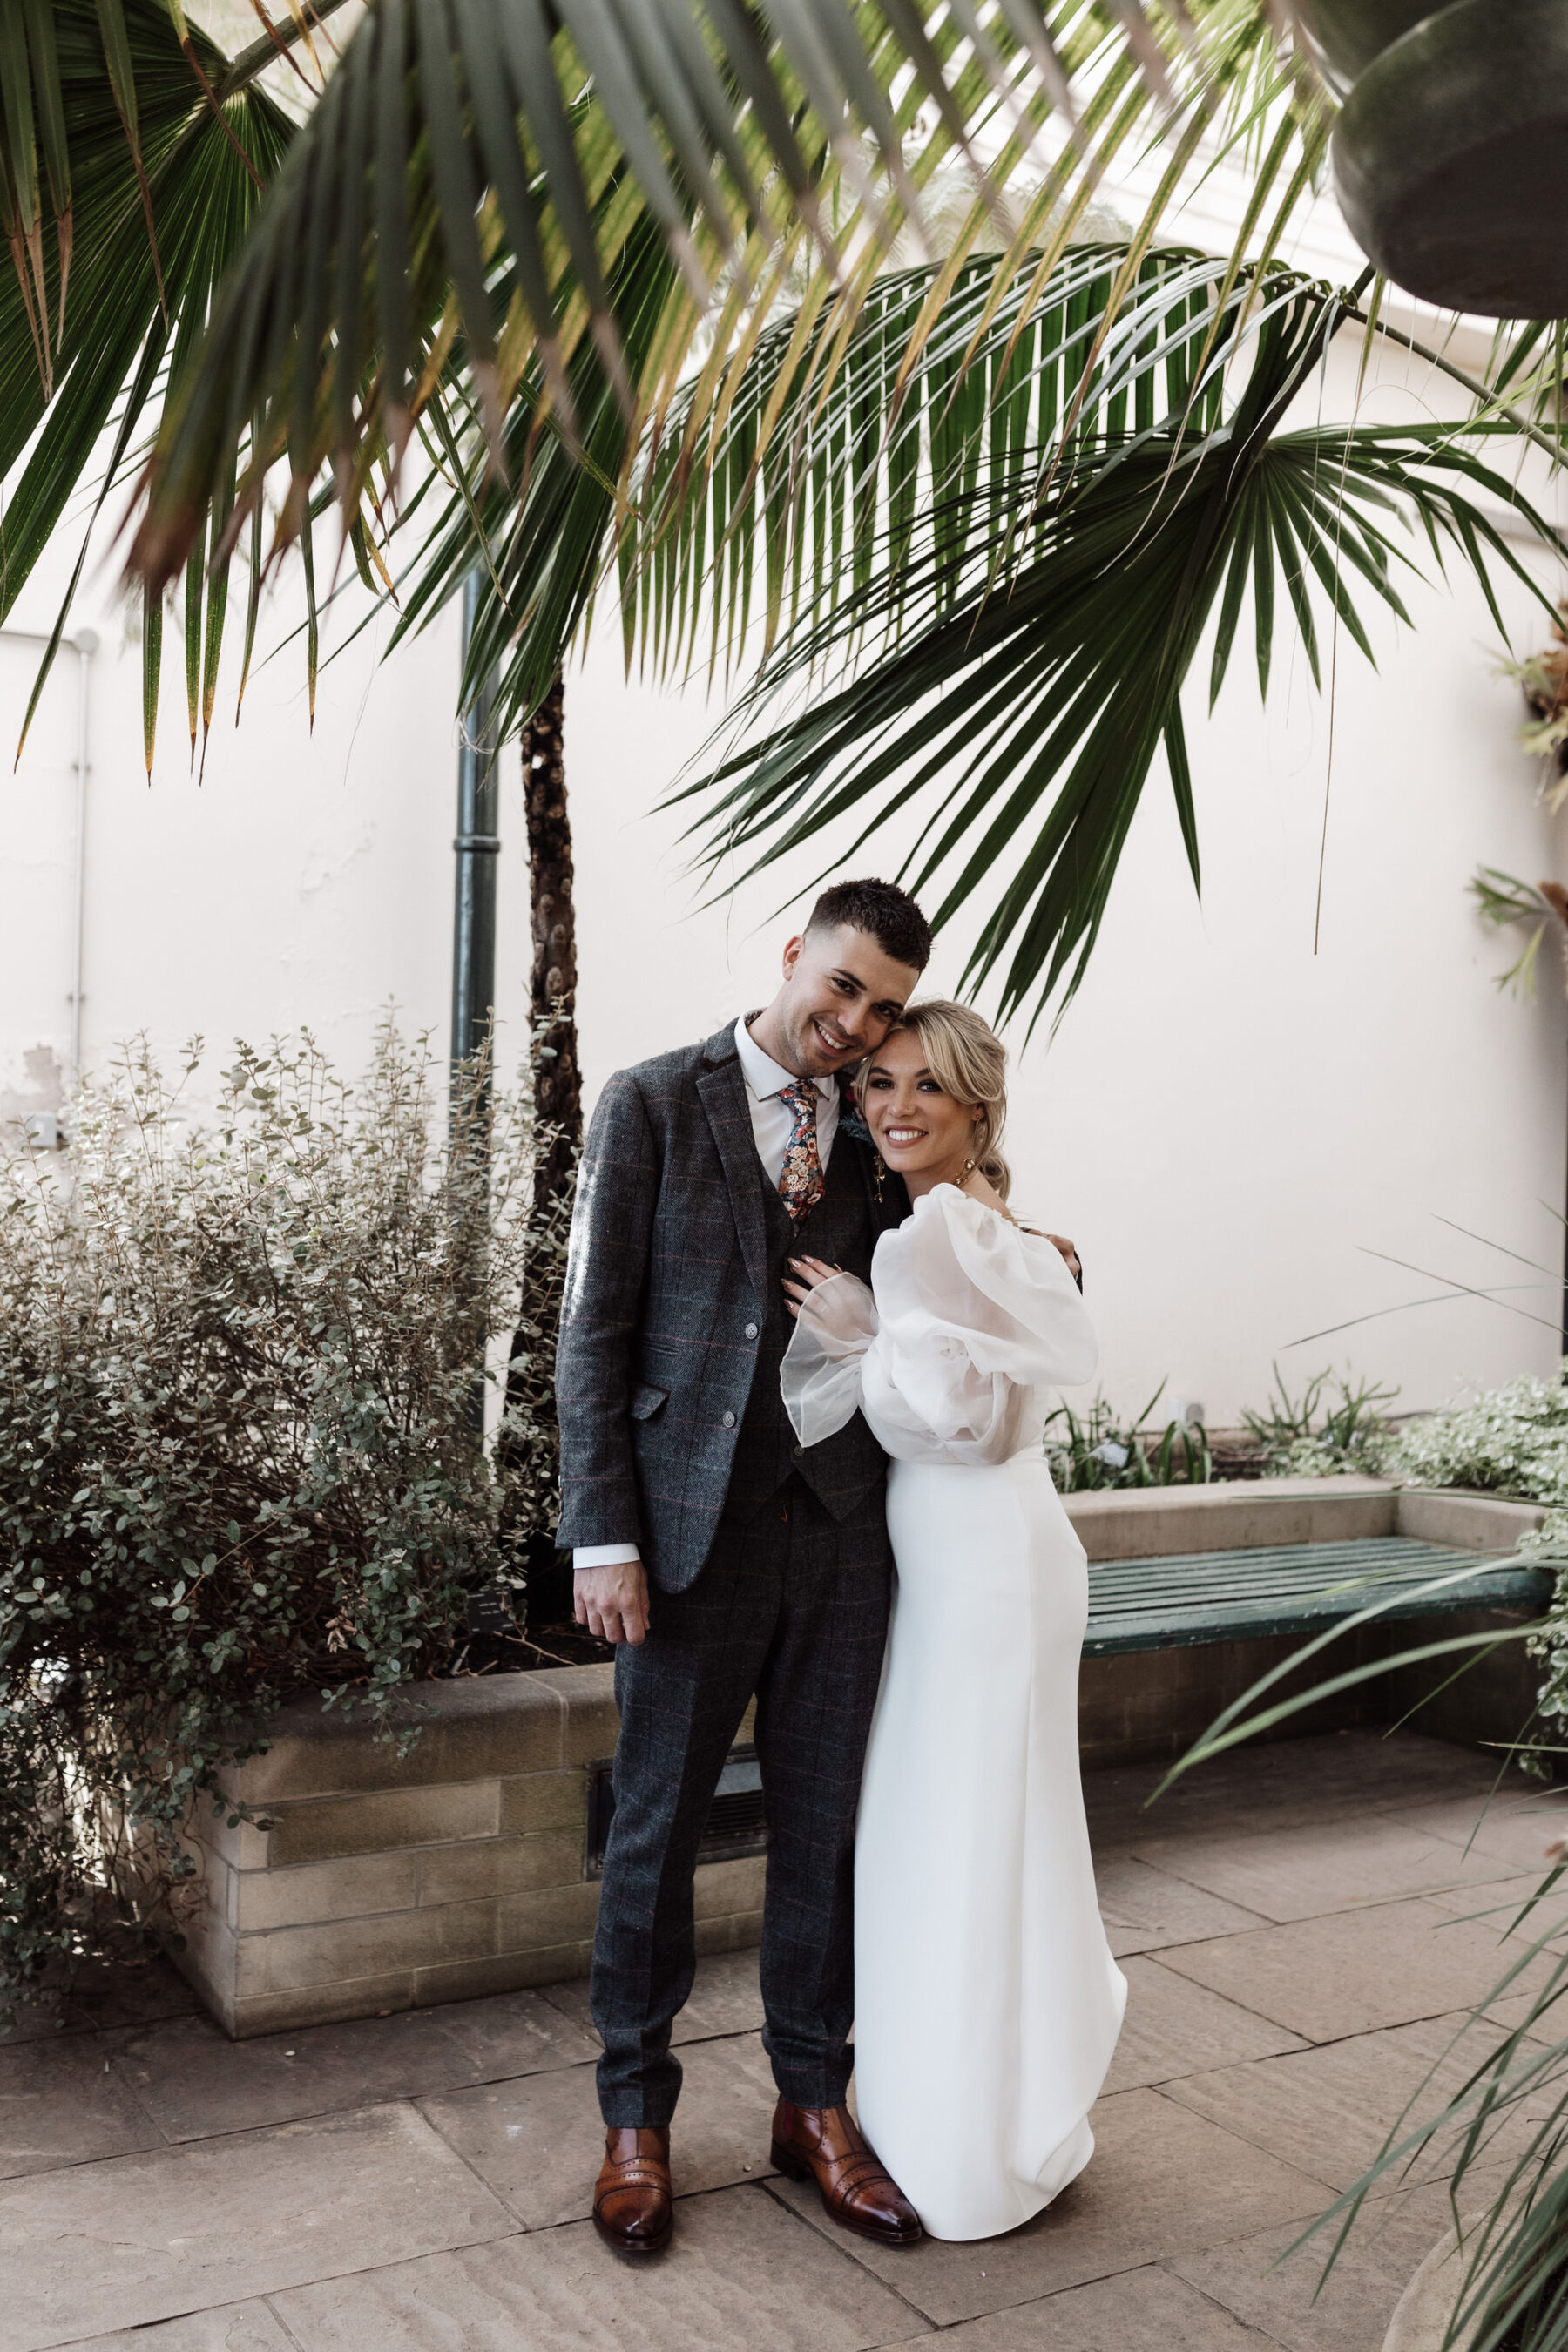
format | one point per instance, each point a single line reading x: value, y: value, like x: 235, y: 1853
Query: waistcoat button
x: 750, y: 1330
x: 729, y: 1421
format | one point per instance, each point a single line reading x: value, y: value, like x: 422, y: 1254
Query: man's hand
x: 613, y: 1601
x: 1069, y: 1257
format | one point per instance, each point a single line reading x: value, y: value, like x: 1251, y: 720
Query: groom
x: 706, y: 1170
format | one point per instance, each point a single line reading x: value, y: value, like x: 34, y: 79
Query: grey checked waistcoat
x: 843, y: 1467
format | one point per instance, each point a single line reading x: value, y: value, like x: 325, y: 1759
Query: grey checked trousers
x: 792, y: 1605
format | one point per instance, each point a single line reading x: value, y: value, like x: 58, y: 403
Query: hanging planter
x: 1349, y: 34
x: 1451, y: 151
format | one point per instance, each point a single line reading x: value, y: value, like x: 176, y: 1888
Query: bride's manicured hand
x: 808, y: 1272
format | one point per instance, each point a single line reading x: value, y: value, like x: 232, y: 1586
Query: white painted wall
x: 1227, y: 1121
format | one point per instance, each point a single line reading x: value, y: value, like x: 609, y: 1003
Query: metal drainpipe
x: 85, y: 645
x: 478, y: 846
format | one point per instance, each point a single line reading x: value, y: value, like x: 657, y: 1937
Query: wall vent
x: 734, y: 1826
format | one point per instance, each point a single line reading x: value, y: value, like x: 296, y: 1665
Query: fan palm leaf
x: 997, y: 587
x: 459, y: 164
x: 137, y: 301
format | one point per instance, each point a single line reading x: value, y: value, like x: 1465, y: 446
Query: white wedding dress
x: 987, y: 2003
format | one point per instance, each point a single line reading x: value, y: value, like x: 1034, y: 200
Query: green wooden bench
x: 1228, y: 1596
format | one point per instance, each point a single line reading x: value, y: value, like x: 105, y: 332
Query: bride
x: 986, y: 2002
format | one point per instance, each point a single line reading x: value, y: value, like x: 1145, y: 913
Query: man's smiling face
x: 842, y: 992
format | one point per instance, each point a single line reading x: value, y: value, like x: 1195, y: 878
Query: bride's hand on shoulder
x: 809, y: 1273
x: 978, y: 1188
x: 1069, y: 1257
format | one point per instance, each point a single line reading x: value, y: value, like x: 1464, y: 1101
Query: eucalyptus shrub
x: 1512, y: 1442
x: 242, y: 1366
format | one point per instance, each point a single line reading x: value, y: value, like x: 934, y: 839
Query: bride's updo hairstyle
x: 969, y: 1062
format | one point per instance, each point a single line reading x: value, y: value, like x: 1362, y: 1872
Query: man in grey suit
x: 721, y: 1558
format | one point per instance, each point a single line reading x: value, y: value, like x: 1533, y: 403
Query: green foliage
x: 238, y: 1453
x: 1512, y: 1442
x: 133, y: 309
x: 1299, y: 1439
x: 1503, y: 898
x: 1095, y: 1449
x: 991, y: 547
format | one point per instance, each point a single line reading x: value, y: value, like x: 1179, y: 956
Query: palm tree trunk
x: 558, y: 1109
x: 558, y: 1091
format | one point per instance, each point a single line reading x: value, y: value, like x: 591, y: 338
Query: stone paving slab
x: 1512, y: 1830
x: 1137, y: 2311
x: 1174, y: 2027
x: 1161, y: 2180
x: 748, y: 2278
x: 140, y: 2238
x: 1501, y: 1904
x: 103, y: 1996
x: 538, y: 2142
x: 1144, y: 1908
x: 1330, y: 2111
x: 1342, y: 1865
x: 1349, y: 1972
x: 1286, y: 1783
x: 1291, y: 2301
x: 195, y: 2082
x: 229, y: 2327
x: 61, y: 2104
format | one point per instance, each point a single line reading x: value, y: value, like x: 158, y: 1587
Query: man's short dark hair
x: 881, y: 909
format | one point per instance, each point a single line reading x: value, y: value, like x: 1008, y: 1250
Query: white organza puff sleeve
x: 820, y: 1376
x: 970, y: 1322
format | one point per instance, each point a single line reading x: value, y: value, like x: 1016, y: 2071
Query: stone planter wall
x: 380, y: 1883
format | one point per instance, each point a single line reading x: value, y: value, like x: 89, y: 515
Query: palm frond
x: 471, y: 178
x: 134, y: 304
x: 997, y: 618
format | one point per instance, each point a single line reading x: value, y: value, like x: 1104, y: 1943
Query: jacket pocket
x: 646, y: 1401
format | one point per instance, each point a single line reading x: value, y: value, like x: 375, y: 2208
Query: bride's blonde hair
x: 969, y: 1062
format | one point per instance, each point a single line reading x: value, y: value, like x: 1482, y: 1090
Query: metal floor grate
x: 1217, y: 1596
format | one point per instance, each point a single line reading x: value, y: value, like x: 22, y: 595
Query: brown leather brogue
x: 634, y: 2207
x: 827, y: 2146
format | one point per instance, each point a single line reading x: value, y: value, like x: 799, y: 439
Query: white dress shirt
x: 773, y: 1124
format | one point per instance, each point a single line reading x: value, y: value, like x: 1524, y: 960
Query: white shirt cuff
x: 602, y: 1555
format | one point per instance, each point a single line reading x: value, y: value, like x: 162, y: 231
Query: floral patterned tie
x: 800, y: 1179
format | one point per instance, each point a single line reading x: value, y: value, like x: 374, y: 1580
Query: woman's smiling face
x: 920, y: 1130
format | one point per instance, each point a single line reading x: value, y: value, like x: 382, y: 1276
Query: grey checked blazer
x: 667, y: 1285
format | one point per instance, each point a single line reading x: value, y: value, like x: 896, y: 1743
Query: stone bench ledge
x: 1152, y: 1522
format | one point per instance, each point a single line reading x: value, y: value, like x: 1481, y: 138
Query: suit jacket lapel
x: 722, y: 1089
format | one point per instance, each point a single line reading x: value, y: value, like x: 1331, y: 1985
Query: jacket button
x: 750, y: 1330
x: 797, y: 1451
x: 729, y: 1421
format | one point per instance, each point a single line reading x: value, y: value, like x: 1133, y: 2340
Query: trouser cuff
x: 819, y: 2087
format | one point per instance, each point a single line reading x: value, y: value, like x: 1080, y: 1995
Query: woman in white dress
x: 987, y: 2003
